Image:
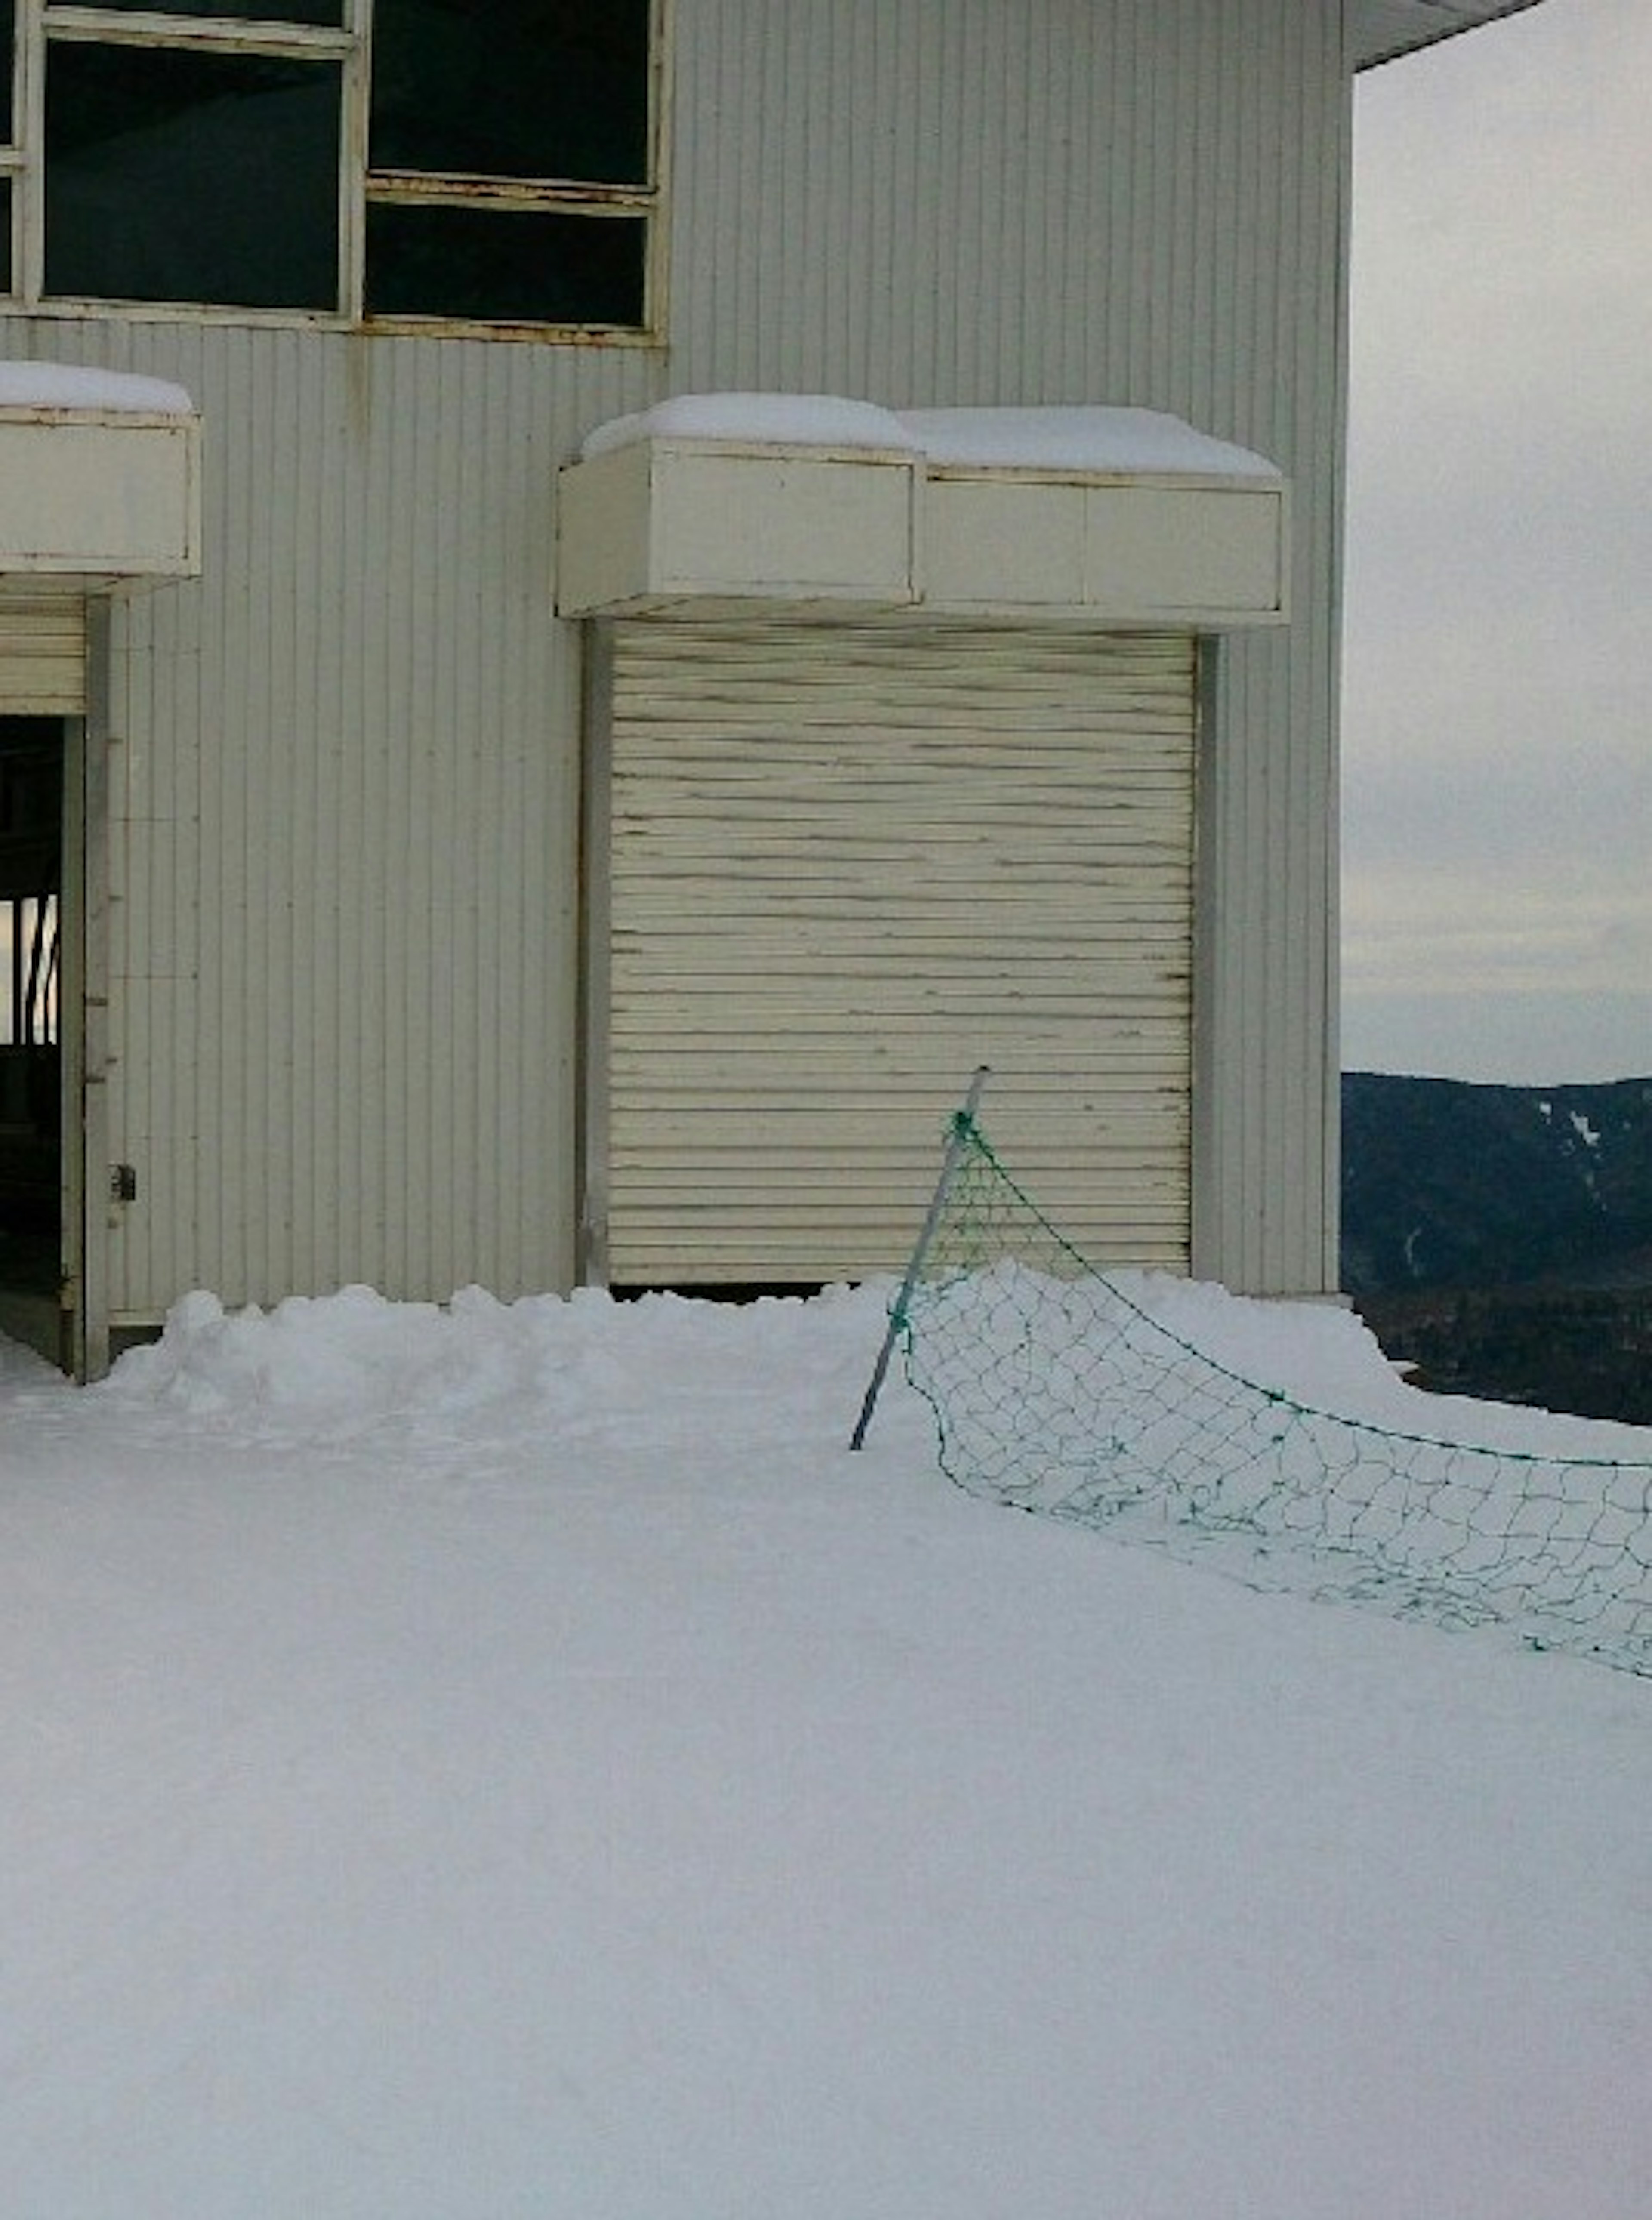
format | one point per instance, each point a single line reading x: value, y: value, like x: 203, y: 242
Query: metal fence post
x: 957, y: 1140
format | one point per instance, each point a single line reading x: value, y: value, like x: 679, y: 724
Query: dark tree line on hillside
x: 1499, y: 1238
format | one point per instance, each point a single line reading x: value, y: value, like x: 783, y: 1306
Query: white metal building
x: 420, y: 864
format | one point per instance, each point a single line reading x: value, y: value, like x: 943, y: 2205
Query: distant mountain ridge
x: 1448, y: 1184
x: 1497, y: 1240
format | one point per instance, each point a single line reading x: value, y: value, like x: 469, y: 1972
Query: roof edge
x: 1384, y: 30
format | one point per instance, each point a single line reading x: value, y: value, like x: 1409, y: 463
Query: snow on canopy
x: 68, y: 385
x: 1081, y: 440
x: 1145, y: 440
x: 780, y: 420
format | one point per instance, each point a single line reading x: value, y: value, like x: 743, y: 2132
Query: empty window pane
x: 493, y: 266
x: 328, y: 13
x: 513, y: 88
x: 8, y: 70
x: 181, y: 176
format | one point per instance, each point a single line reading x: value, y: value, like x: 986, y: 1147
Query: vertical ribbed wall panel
x: 345, y: 944
x: 346, y: 769
x: 1120, y: 200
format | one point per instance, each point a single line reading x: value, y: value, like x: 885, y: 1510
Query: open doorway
x: 32, y: 1258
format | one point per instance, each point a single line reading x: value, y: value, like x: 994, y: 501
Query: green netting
x: 1056, y: 1392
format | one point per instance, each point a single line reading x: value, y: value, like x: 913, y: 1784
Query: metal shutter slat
x: 42, y: 654
x: 848, y: 863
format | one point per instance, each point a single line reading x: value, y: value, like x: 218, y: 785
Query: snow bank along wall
x: 336, y: 783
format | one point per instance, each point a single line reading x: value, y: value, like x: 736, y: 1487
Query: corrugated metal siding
x: 1129, y: 200
x: 42, y: 653
x: 343, y: 939
x: 849, y: 863
x: 344, y: 777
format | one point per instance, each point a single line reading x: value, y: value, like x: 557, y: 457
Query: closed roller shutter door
x: 42, y: 654
x: 848, y: 864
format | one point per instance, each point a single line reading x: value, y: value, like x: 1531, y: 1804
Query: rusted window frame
x: 42, y: 22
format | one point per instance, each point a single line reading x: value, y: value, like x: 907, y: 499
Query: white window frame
x: 41, y: 22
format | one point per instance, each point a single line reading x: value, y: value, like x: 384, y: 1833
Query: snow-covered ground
x: 516, y: 1762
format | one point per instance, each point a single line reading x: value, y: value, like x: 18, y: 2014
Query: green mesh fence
x: 1054, y: 1392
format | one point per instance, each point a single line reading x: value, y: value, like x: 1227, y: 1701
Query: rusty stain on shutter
x: 850, y: 862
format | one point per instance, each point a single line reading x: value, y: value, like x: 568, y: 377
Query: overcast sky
x: 1497, y: 708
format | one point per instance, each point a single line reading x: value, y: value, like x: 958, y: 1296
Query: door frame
x: 84, y: 1015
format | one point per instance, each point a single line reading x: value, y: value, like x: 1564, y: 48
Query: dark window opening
x: 548, y: 89
x: 183, y: 174
x: 205, y: 152
x: 31, y: 864
x: 323, y: 14
x: 8, y: 71
x: 505, y: 266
